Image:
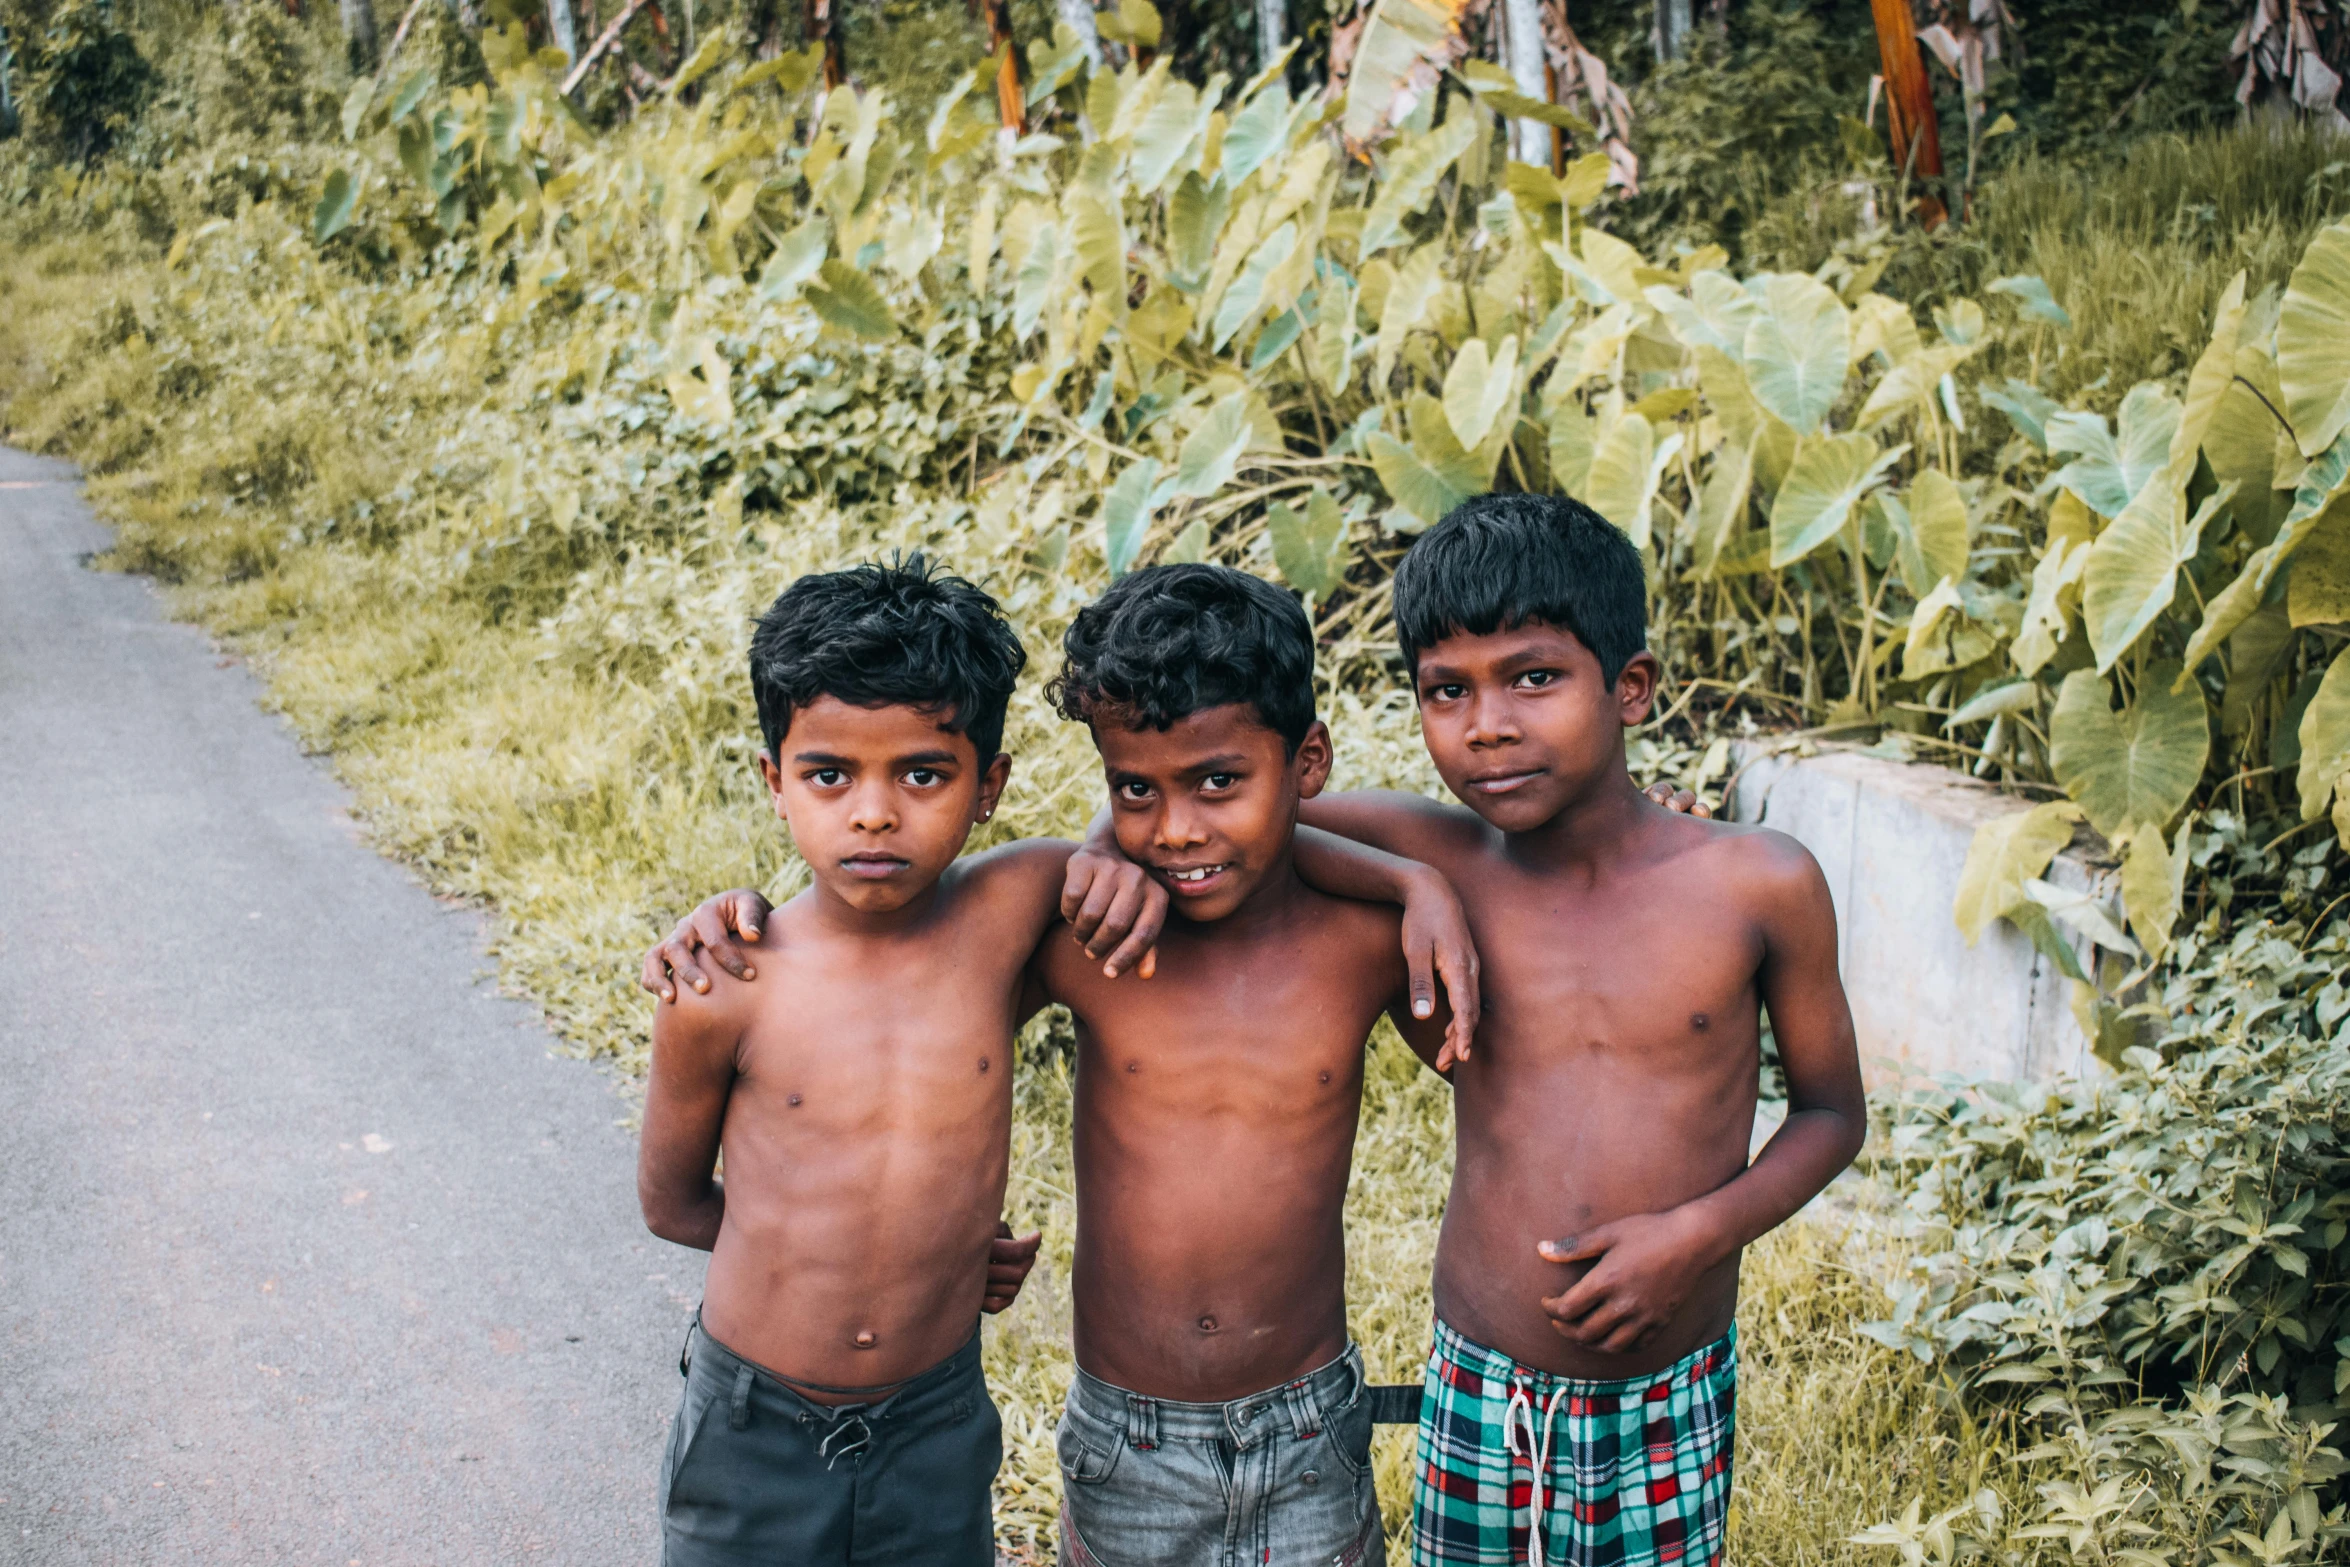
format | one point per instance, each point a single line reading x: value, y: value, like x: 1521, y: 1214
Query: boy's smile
x: 1209, y: 804
x: 880, y: 799
x: 1520, y: 722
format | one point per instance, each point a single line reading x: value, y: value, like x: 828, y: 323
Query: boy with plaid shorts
x: 1579, y: 1397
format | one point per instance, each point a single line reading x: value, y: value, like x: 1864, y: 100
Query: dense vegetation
x: 488, y: 420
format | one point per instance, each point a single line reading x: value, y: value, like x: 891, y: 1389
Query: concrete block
x: 1892, y: 838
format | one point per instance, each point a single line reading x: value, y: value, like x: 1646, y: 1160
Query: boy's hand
x: 1436, y: 946
x: 1646, y: 1266
x: 1008, y: 1262
x: 1114, y: 909
x: 713, y: 927
x: 1673, y: 799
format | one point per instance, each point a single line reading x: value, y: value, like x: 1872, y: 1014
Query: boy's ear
x: 1636, y: 686
x: 1313, y: 759
x: 771, y: 773
x: 991, y: 783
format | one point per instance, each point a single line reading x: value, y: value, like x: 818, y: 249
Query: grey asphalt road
x: 311, y: 1252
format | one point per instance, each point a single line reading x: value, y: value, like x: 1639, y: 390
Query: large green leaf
x: 2134, y: 768
x: 2209, y: 382
x: 1195, y: 218
x: 2048, y: 608
x: 2006, y: 852
x: 2154, y: 885
x: 1419, y: 488
x: 2313, y: 341
x: 1618, y: 484
x: 1937, y: 542
x: 1828, y: 479
x: 1248, y: 289
x: 1211, y: 453
x: 1256, y: 133
x: 1310, y: 548
x: 2134, y: 566
x: 2108, y: 472
x: 1126, y: 514
x: 1721, y: 507
x: 1164, y: 136
x: 2321, y: 500
x: 1407, y: 302
x: 1478, y: 388
x: 1414, y: 165
x: 797, y: 256
x: 845, y: 299
x: 1402, y: 47
x: 2325, y: 739
x: 2319, y: 591
x: 336, y: 200
x: 1097, y: 237
x: 1797, y: 348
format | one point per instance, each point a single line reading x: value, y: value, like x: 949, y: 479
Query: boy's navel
x: 865, y: 1340
x: 1207, y: 1324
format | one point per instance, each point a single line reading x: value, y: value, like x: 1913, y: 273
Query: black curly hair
x: 903, y: 631
x: 1166, y: 642
x: 1498, y: 561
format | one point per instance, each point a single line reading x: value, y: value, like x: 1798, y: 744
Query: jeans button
x: 1313, y: 1477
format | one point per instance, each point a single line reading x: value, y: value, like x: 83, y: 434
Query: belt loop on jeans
x: 1305, y: 1410
x: 738, y: 1414
x: 1142, y: 1423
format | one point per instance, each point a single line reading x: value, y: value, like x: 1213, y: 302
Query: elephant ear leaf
x: 1310, y: 549
x: 1798, y: 346
x: 2136, y: 767
x: 1826, y: 482
x: 1126, y: 514
x: 335, y: 202
x: 846, y: 299
x: 2325, y: 744
x: 2134, y: 566
x: 2313, y: 341
x: 2008, y: 851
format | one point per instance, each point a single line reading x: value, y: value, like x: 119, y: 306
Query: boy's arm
x: 1126, y: 911
x: 685, y: 1109
x: 1647, y: 1264
x: 1436, y: 940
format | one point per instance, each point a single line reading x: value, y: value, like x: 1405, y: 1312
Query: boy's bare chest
x: 1570, y: 972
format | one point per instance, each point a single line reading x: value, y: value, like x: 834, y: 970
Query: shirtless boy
x: 1219, y: 1414
x: 1220, y: 1407
x: 1587, y: 1271
x: 834, y: 1410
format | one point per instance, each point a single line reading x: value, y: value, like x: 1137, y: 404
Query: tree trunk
x: 1530, y: 140
x: 1077, y: 16
x: 1011, y: 100
x: 1672, y: 29
x: 816, y: 27
x: 563, y: 30
x: 359, y: 33
x: 1909, y: 105
x: 1272, y: 30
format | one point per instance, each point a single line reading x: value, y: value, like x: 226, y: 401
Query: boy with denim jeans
x: 1579, y: 1398
x: 1219, y: 1413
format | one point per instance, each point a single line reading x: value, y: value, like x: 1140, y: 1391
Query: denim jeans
x: 1281, y: 1478
x: 757, y: 1476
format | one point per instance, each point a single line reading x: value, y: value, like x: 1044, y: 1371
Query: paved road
x: 310, y: 1253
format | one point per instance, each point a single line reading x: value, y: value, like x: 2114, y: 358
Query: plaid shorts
x: 1633, y: 1473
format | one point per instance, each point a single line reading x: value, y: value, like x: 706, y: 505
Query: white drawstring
x: 1520, y: 1407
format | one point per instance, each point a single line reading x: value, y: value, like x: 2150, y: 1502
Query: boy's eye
x: 828, y: 778
x: 922, y: 777
x: 1133, y: 789
x: 1220, y: 781
x: 1538, y: 677
x: 1447, y: 692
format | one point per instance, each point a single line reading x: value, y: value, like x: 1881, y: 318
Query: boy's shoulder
x: 1746, y: 860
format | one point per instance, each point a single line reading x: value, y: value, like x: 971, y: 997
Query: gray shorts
x: 1281, y: 1478
x: 757, y: 1474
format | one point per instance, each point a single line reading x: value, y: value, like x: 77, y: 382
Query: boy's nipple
x: 1698, y: 1020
